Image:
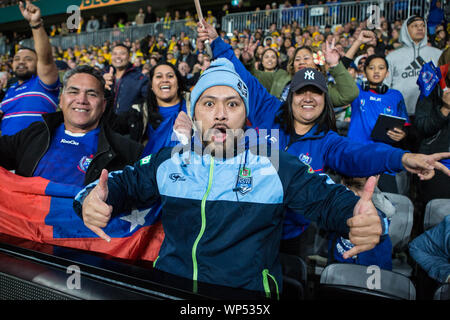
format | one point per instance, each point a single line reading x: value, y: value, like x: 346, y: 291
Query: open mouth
x: 165, y: 88
x: 308, y: 107
x: 219, y: 133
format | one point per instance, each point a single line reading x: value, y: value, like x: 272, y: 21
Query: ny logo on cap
x: 309, y: 75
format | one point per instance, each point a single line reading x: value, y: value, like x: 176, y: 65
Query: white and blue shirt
x: 24, y: 104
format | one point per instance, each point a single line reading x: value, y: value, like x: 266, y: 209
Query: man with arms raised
x: 37, y: 89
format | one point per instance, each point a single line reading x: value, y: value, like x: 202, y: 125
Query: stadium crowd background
x: 146, y: 52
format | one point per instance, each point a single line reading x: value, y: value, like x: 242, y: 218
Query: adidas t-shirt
x: 68, y: 157
x: 368, y: 106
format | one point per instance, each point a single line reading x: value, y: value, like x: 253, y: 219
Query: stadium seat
x: 403, y: 179
x: 400, y: 231
x: 435, y: 212
x: 294, y: 277
x: 402, y: 221
x: 352, y: 281
x: 443, y: 292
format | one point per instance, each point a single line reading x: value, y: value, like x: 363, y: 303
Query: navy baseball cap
x: 309, y: 77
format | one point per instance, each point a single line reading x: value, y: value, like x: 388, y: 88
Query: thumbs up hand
x: 365, y: 225
x: 109, y: 78
x: 96, y: 212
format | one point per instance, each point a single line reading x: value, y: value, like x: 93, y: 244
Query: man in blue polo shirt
x: 37, y: 89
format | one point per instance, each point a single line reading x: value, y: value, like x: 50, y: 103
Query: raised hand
x: 366, y: 36
x: 331, y: 54
x: 183, y: 127
x: 96, y: 212
x: 206, y: 31
x: 365, y: 225
x: 31, y: 13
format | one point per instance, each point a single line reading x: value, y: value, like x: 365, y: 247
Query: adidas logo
x: 414, y: 68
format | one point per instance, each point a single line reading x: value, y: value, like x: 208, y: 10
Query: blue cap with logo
x: 220, y: 73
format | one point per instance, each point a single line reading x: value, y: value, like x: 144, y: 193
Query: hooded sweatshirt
x: 405, y: 64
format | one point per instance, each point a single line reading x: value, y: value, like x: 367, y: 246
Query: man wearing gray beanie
x: 222, y: 213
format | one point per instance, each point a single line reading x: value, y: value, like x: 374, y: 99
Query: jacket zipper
x: 202, y: 229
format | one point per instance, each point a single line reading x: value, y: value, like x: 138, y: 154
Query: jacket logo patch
x: 176, y: 177
x: 245, y: 181
x: 145, y: 160
x: 305, y: 158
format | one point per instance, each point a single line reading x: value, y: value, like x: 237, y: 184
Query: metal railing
x: 330, y: 14
x: 132, y: 33
x: 321, y: 15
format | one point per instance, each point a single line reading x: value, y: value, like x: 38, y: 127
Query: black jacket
x: 431, y: 123
x: 23, y: 151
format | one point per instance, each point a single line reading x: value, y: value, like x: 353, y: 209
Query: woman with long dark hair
x: 165, y: 99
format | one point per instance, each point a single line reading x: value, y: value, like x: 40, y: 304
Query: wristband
x: 37, y: 26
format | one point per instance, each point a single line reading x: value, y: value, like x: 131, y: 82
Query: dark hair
x: 84, y: 69
x: 121, y: 45
x: 326, y: 121
x: 375, y: 56
x: 290, y: 65
x: 154, y: 117
x: 27, y: 48
x: 261, y: 67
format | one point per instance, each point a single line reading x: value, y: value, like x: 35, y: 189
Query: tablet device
x: 385, y: 123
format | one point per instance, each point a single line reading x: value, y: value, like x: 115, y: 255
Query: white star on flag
x: 136, y: 218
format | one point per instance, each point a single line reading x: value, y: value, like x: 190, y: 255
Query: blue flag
x: 428, y: 78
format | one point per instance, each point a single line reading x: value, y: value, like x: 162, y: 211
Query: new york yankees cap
x: 309, y: 77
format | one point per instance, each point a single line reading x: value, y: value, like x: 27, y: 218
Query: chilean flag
x: 41, y: 210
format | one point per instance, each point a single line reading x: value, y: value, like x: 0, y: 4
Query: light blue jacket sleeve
x: 263, y: 106
x: 431, y: 250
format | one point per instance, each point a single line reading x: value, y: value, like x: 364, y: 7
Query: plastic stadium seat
x: 294, y: 277
x: 400, y: 231
x: 402, y: 221
x: 443, y: 292
x: 435, y: 212
x: 350, y: 281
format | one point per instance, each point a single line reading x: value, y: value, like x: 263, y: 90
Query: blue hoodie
x: 323, y: 151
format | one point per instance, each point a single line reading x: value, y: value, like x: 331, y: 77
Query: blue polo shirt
x: 368, y: 106
x: 25, y: 103
x: 68, y: 157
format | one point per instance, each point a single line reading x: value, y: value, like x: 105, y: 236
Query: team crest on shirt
x: 84, y: 163
x: 245, y: 181
x: 388, y: 110
x: 305, y: 158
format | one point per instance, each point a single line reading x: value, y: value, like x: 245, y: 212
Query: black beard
x: 24, y: 76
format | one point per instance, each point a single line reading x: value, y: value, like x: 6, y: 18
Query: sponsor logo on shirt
x: 72, y: 142
x: 176, y: 177
x: 413, y: 69
x: 375, y: 99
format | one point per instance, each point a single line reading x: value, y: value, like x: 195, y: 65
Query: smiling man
x: 127, y: 84
x: 37, y: 89
x: 222, y: 211
x: 74, y: 145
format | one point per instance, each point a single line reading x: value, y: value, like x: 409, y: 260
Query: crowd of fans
x: 354, y: 60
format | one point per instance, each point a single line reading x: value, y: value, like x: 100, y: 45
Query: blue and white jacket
x: 223, y: 218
